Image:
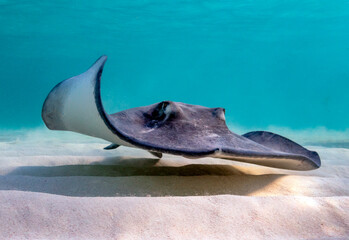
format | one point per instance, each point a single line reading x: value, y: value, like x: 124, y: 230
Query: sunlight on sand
x: 47, y: 178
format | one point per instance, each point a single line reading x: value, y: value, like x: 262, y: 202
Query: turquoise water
x: 269, y: 63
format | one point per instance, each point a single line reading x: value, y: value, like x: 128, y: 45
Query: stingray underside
x: 167, y: 127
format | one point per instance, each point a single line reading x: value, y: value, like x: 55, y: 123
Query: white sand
x: 59, y: 186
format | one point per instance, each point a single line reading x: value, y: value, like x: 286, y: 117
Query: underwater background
x: 271, y: 64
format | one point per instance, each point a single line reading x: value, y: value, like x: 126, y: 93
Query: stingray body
x: 167, y: 127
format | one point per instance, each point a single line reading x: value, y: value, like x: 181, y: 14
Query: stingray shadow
x: 119, y: 176
x: 122, y: 167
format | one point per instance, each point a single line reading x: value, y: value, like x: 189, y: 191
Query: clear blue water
x: 269, y: 63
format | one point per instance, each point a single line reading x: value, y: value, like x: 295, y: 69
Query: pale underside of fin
x: 75, y: 105
x: 168, y: 127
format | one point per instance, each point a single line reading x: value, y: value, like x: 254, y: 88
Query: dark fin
x: 111, y: 146
x: 156, y: 154
x: 282, y: 144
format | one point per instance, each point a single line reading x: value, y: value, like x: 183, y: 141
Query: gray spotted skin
x: 196, y: 131
x: 177, y: 128
x: 188, y: 129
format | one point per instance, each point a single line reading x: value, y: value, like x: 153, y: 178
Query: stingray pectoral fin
x: 283, y: 161
x: 112, y: 146
x: 75, y: 105
x: 284, y: 153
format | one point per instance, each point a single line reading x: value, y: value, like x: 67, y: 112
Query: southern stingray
x: 167, y: 127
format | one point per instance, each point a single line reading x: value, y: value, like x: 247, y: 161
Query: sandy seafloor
x: 57, y: 185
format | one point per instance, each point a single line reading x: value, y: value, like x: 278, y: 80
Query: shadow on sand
x: 119, y: 176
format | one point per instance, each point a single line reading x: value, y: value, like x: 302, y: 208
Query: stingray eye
x: 160, y: 111
x: 159, y: 115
